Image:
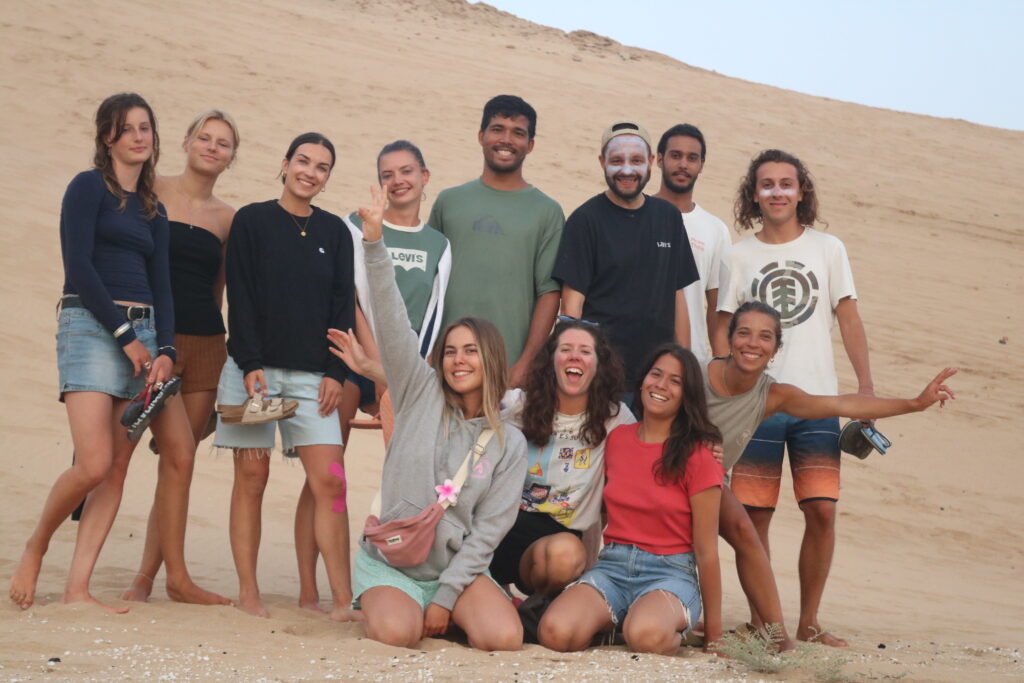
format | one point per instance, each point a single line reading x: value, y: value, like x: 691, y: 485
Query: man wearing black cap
x: 625, y: 256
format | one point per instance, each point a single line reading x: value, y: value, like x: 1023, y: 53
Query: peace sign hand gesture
x: 373, y: 216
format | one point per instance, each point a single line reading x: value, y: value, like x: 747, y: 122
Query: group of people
x: 592, y: 401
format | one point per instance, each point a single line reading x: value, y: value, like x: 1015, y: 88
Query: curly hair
x: 110, y: 118
x: 542, y: 388
x: 691, y: 426
x: 747, y: 211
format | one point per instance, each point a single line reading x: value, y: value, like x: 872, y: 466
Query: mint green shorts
x: 371, y: 573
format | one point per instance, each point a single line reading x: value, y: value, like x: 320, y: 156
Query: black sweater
x: 285, y: 290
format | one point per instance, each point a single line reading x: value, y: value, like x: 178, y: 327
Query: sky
x: 961, y: 60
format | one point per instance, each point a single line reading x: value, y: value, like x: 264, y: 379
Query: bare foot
x: 193, y: 594
x: 86, y: 597
x: 252, y: 605
x: 140, y: 589
x: 814, y: 634
x: 340, y: 613
x: 23, y: 583
x: 313, y: 605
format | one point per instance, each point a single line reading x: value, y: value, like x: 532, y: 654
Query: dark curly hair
x: 691, y: 426
x: 542, y: 388
x: 747, y: 211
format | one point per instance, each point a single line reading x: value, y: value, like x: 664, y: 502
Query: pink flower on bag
x: 447, y: 491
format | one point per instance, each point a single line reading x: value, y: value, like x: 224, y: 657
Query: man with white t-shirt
x: 681, y: 154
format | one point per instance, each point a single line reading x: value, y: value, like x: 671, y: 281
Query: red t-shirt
x: 641, y: 511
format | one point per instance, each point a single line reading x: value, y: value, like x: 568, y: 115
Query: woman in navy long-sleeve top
x: 115, y: 336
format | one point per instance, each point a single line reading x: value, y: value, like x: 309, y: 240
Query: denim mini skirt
x: 90, y: 359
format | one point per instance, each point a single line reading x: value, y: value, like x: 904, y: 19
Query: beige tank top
x: 736, y: 416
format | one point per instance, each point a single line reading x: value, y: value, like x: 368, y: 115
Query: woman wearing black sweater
x: 289, y: 279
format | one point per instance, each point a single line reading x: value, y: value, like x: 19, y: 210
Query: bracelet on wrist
x: 122, y: 329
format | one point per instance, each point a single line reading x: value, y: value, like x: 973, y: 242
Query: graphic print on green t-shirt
x: 503, y: 248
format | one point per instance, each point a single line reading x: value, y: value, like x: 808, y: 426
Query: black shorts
x: 529, y: 527
x: 367, y: 390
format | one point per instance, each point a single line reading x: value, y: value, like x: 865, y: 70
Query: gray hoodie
x: 423, y: 452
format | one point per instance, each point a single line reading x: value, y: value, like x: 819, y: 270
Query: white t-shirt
x: 565, y: 477
x: 803, y: 280
x: 710, y: 243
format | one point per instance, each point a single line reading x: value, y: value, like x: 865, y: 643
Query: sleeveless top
x: 195, y: 260
x: 736, y: 416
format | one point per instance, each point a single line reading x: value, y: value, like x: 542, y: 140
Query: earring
x: 323, y: 189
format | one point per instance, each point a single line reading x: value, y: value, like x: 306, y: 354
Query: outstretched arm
x: 705, y: 506
x: 786, y: 398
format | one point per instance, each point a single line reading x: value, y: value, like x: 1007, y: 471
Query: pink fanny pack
x: 406, y: 542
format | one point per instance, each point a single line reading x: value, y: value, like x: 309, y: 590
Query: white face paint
x: 628, y: 155
x: 766, y: 192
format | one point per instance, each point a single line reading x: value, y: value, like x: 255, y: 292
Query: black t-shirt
x: 285, y: 290
x: 629, y: 265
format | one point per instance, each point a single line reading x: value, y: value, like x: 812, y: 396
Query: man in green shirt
x: 504, y: 235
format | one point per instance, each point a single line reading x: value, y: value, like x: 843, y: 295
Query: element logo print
x: 789, y: 287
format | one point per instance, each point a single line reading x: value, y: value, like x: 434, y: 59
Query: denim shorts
x: 305, y: 428
x: 625, y: 573
x: 90, y: 359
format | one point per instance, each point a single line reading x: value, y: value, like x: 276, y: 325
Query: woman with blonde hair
x: 442, y: 417
x: 199, y: 224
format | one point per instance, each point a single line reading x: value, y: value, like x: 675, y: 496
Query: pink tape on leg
x: 338, y: 470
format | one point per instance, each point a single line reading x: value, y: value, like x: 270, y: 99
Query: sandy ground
x: 929, y: 575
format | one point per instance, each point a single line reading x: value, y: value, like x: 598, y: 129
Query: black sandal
x: 144, y: 407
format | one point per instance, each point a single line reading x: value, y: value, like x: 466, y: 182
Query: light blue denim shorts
x: 372, y: 573
x: 90, y: 359
x: 625, y: 573
x: 305, y: 428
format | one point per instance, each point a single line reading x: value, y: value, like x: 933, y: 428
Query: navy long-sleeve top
x: 285, y: 290
x: 111, y: 255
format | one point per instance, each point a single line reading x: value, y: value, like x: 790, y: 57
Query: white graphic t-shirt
x: 803, y: 280
x: 565, y: 477
x: 710, y: 243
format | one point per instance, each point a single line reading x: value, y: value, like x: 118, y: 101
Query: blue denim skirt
x: 90, y: 359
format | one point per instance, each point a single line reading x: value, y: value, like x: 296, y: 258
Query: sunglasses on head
x: 570, y: 319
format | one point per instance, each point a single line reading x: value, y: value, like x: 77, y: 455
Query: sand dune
x: 930, y: 560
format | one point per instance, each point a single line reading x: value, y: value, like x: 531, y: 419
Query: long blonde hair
x: 491, y: 348
x: 110, y: 118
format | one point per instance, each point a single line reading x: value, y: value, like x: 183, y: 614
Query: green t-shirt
x: 503, y: 248
x: 422, y: 260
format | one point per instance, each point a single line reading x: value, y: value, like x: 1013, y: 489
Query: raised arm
x: 786, y: 398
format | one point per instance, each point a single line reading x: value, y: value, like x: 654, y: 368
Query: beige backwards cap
x: 624, y: 128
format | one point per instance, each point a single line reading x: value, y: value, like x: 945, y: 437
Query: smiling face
x: 461, y: 364
x: 211, y: 148
x: 505, y: 143
x: 135, y: 144
x: 306, y: 173
x: 627, y: 166
x: 403, y: 177
x: 754, y: 341
x: 681, y: 163
x: 575, y: 362
x: 777, y: 192
x: 662, y: 388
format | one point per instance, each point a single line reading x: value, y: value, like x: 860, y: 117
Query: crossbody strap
x: 474, y: 453
x: 460, y: 477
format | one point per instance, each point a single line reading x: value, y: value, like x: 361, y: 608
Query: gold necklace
x: 302, y: 228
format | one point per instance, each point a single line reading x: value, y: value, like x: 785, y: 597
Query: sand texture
x: 930, y: 559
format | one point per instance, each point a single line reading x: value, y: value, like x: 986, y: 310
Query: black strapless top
x: 195, y: 260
